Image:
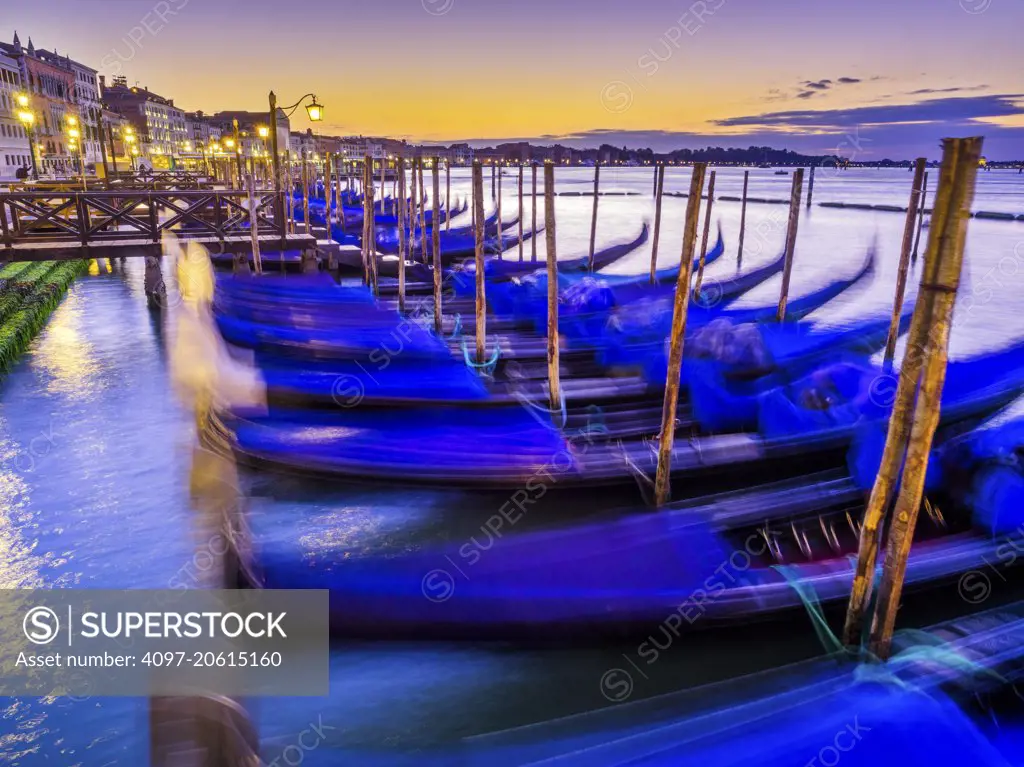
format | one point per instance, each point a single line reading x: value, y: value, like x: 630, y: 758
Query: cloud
x: 806, y: 94
x: 946, y: 111
x: 821, y: 85
x: 923, y: 91
x: 848, y: 80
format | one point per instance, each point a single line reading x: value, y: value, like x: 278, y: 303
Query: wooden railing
x: 98, y: 218
x: 160, y: 181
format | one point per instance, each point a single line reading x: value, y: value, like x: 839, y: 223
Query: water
x: 95, y: 450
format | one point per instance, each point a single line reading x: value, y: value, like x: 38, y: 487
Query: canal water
x: 95, y: 453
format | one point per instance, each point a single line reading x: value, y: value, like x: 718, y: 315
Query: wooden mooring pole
x: 743, y: 219
x: 305, y: 195
x: 533, y: 225
x: 521, y: 212
x: 423, y: 214
x: 593, y: 215
x: 920, y: 215
x: 383, y: 182
x: 500, y: 239
x: 478, y: 237
x: 403, y: 235
x: 328, y: 191
x: 254, y: 218
x: 945, y: 247
x: 412, y: 211
x: 662, y: 482
x: 368, y: 255
x: 915, y: 412
x: 905, y: 247
x: 435, y: 230
x: 810, y: 187
x: 794, y: 218
x: 554, y: 363
x: 659, y: 190
x: 448, y: 193
x: 704, y: 236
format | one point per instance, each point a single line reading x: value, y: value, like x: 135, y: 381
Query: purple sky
x: 867, y: 79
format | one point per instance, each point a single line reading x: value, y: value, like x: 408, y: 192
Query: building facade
x: 50, y: 85
x: 160, y: 126
x: 87, y: 96
x: 14, y: 149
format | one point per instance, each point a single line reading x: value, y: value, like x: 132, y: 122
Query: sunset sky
x: 867, y: 79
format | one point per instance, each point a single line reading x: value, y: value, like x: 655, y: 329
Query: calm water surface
x: 95, y: 453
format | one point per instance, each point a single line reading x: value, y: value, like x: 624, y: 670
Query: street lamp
x: 27, y: 118
x: 314, y: 110
x: 132, y: 151
x: 73, y: 135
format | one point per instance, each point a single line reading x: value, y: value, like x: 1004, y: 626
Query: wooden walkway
x: 37, y: 226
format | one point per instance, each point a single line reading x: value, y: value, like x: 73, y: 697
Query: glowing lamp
x: 315, y: 111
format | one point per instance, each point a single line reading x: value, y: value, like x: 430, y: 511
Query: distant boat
x: 782, y: 173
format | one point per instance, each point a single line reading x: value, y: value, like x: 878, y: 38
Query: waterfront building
x: 49, y: 82
x: 14, y: 149
x: 159, y: 124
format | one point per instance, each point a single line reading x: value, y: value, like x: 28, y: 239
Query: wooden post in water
x: 794, y: 218
x: 920, y: 215
x: 448, y: 192
x: 743, y: 219
x: 368, y: 255
x: 949, y: 221
x: 383, y: 182
x: 520, y: 212
x: 305, y: 194
x: 533, y: 240
x: 500, y: 239
x: 238, y: 151
x: 402, y: 234
x: 593, y: 215
x: 662, y: 483
x: 493, y: 168
x: 328, y: 191
x: 901, y: 276
x: 659, y: 190
x: 478, y: 237
x: 952, y: 212
x: 423, y: 213
x: 436, y: 247
x: 554, y: 363
x: 371, y: 194
x: 413, y: 220
x: 704, y: 236
x: 810, y: 187
x: 257, y: 261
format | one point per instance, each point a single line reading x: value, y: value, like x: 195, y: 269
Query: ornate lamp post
x: 313, y: 109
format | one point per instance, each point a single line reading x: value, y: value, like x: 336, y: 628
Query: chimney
x: 103, y: 84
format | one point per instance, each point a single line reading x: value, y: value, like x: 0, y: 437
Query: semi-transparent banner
x: 84, y: 643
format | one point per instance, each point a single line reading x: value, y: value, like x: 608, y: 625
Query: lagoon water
x: 94, y: 463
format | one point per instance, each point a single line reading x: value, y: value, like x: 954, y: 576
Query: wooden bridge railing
x: 98, y: 218
x: 162, y: 181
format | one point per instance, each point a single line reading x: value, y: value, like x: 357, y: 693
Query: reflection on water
x: 64, y: 355
x: 102, y: 500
